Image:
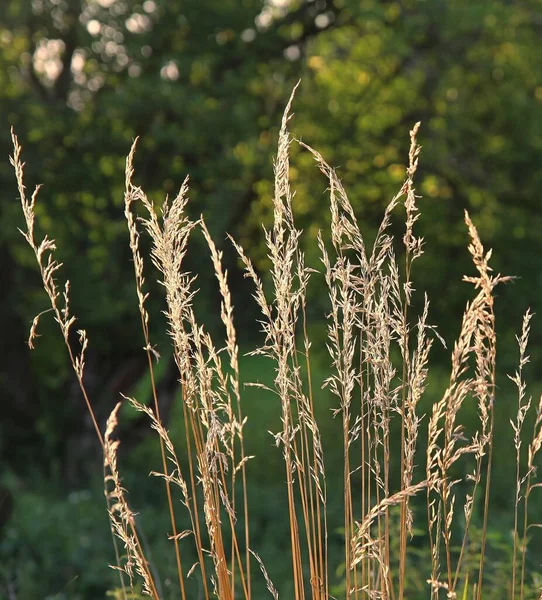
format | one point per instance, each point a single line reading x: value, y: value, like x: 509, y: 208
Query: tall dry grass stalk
x: 379, y: 342
x: 122, y: 519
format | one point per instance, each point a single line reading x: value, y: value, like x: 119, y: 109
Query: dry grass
x: 370, y: 324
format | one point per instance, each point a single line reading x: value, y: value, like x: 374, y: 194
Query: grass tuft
x: 379, y: 347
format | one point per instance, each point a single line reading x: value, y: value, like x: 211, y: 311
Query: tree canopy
x: 202, y: 83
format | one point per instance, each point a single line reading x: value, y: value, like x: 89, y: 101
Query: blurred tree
x: 200, y: 83
x: 471, y: 72
x: 203, y: 84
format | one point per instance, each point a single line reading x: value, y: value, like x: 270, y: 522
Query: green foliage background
x: 203, y: 83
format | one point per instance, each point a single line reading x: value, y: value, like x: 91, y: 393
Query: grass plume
x: 379, y: 341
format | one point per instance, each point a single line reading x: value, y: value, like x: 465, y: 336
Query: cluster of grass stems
x: 369, y: 326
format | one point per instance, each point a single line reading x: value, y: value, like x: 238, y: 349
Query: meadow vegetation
x: 414, y: 484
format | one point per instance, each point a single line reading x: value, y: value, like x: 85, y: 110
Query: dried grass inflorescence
x: 379, y: 342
